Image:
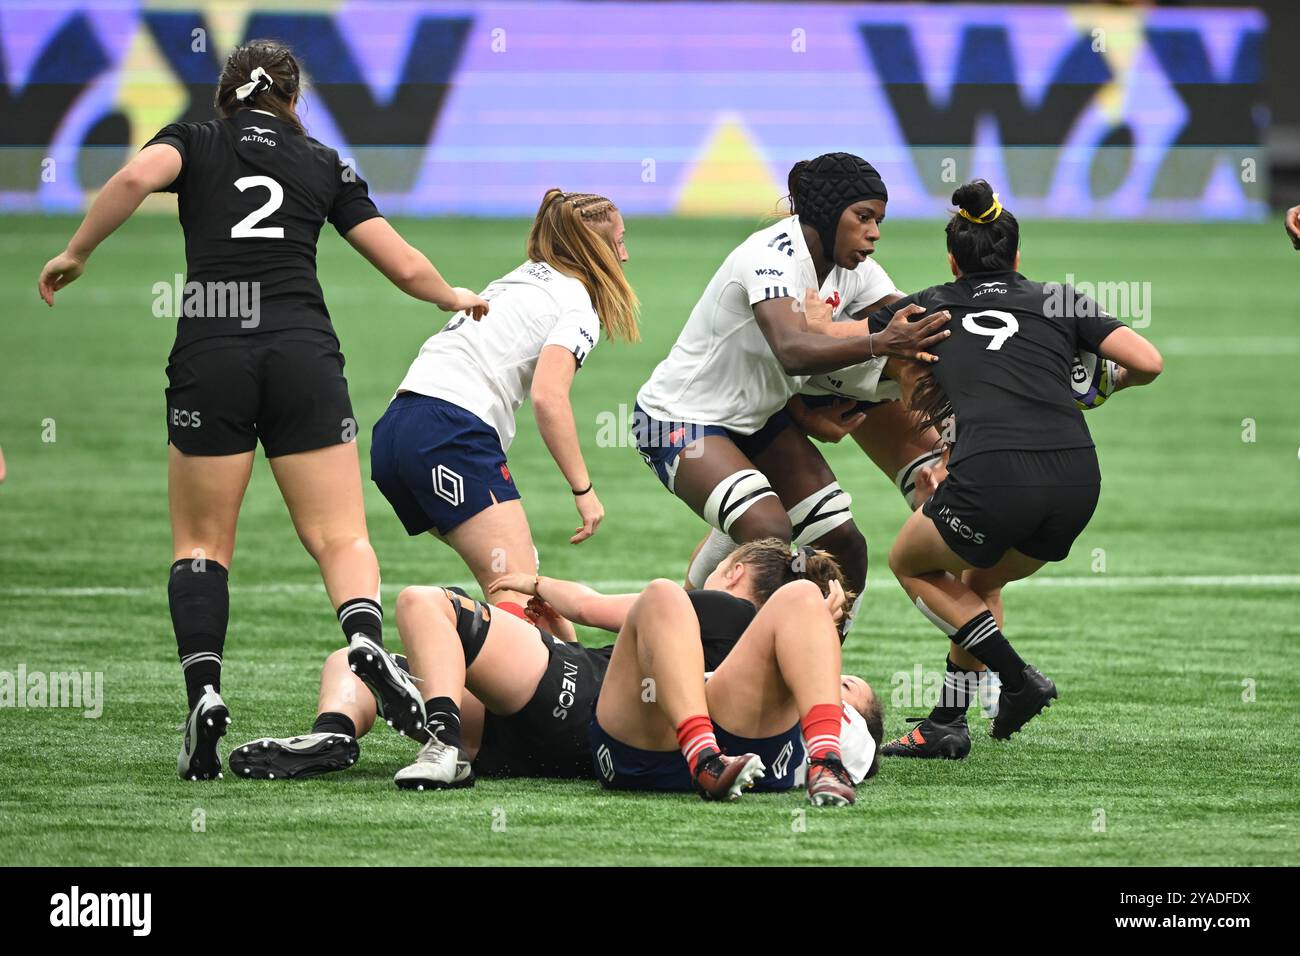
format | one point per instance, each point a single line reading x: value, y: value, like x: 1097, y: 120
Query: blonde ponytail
x: 562, y: 236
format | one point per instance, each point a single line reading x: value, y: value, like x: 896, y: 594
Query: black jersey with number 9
x: 253, y: 194
x: 1006, y: 365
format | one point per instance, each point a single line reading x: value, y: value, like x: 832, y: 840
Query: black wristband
x: 579, y: 494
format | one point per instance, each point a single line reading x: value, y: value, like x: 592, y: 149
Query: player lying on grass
x: 663, y: 625
x: 1023, y: 479
x: 659, y: 725
x: 540, y: 690
x: 253, y: 192
x: 439, y: 451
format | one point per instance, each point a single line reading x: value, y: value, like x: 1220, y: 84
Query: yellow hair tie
x: 987, y: 216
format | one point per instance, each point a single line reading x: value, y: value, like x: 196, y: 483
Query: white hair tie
x: 258, y: 81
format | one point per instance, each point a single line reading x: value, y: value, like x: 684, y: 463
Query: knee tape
x: 905, y: 480
x: 819, y: 513
x: 735, y: 495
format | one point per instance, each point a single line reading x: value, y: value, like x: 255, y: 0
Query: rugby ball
x: 1092, y: 379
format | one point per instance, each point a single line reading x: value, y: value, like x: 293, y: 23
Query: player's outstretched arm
x: 804, y: 352
x: 554, y: 413
x: 843, y: 329
x: 148, y: 171
x: 879, y: 304
x: 577, y: 602
x: 410, y: 269
x: 1140, y: 362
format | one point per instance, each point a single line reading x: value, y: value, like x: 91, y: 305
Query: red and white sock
x: 821, y: 730
x: 695, y: 736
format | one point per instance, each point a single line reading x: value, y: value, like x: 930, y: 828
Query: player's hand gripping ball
x: 1092, y: 379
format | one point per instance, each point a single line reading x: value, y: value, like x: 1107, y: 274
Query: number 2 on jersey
x: 248, y: 228
x: 999, y: 334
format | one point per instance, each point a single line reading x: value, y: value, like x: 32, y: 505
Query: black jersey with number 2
x: 253, y: 195
x: 1006, y: 366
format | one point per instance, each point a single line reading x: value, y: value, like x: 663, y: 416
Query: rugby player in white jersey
x: 439, y: 454
x: 711, y: 420
x: 862, y: 401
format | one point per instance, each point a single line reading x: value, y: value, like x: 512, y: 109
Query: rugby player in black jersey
x: 1022, y: 478
x: 540, y: 687
x: 256, y: 358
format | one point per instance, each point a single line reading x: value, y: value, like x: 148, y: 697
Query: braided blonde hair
x: 563, y: 237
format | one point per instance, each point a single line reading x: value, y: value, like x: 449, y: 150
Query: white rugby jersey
x: 487, y: 367
x: 721, y: 371
x: 857, y: 747
x: 863, y: 383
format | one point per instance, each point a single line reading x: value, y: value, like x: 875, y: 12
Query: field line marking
x: 1135, y: 582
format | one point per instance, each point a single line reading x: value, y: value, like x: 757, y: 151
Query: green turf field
x: 1195, y: 609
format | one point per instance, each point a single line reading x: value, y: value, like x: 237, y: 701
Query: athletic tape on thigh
x: 819, y: 513
x: 472, y: 621
x: 905, y: 480
x: 735, y: 495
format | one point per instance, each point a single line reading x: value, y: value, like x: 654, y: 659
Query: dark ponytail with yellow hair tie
x: 983, y: 235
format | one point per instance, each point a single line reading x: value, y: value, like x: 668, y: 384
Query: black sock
x: 981, y: 638
x: 332, y: 722
x: 199, y: 595
x: 362, y: 616
x: 958, y: 688
x: 444, y: 720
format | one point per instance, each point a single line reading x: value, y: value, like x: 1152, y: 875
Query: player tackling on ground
x: 539, y: 690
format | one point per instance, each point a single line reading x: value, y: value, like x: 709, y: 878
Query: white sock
x: 847, y: 623
x: 935, y: 619
x: 717, y: 547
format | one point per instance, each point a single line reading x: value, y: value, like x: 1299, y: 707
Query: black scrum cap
x: 830, y: 184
